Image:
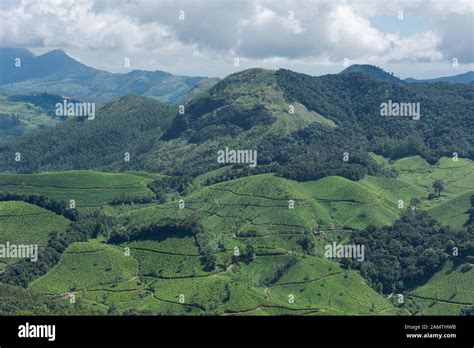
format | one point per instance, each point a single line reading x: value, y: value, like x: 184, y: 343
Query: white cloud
x: 257, y: 31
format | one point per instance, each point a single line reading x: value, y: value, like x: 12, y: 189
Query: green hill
x: 165, y: 273
x: 300, y: 125
x: 372, y: 71
x: 85, y: 265
x: 103, y: 277
x: 18, y: 117
x: 23, y: 223
x: 447, y: 292
x: 86, y: 188
x: 130, y: 125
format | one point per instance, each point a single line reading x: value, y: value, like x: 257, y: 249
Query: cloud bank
x: 184, y: 33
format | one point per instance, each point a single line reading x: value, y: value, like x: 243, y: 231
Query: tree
x: 469, y: 311
x: 438, y: 187
x: 306, y: 244
x: 208, y: 260
x: 415, y: 202
x: 249, y: 253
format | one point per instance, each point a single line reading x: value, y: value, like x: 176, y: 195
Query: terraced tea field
x: 446, y: 292
x: 103, y: 276
x: 24, y: 223
x: 87, y: 188
x: 165, y: 273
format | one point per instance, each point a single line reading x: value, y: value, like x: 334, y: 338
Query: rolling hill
x: 24, y: 223
x: 86, y: 188
x: 130, y: 124
x: 251, y: 110
x: 164, y: 272
x: 23, y: 114
x: 373, y: 71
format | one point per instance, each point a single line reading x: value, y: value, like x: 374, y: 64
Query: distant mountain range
x: 55, y: 72
x: 22, y: 72
x: 467, y: 77
x: 382, y: 75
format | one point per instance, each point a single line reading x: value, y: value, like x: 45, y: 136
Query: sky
x: 421, y: 39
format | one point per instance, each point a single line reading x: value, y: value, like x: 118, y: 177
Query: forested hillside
x: 333, y: 115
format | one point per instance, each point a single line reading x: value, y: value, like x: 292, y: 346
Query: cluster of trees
x: 402, y: 256
x: 247, y: 255
x: 131, y: 200
x: 169, y: 185
x: 470, y: 221
x: 86, y: 225
x: 209, y: 247
x: 438, y: 186
x: 240, y: 171
x: 59, y: 208
x: 467, y: 311
x: 160, y: 230
x: 306, y: 243
x: 15, y: 300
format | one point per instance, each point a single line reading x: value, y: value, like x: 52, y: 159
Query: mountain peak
x: 57, y: 51
x: 57, y: 54
x: 251, y: 73
x: 373, y: 71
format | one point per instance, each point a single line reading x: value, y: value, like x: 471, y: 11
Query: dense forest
x: 353, y: 102
x: 406, y: 254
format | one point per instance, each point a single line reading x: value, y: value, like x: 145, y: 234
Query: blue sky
x: 410, y: 25
x: 205, y: 37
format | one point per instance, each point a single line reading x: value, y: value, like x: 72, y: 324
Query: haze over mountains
x: 56, y: 72
x: 22, y: 72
